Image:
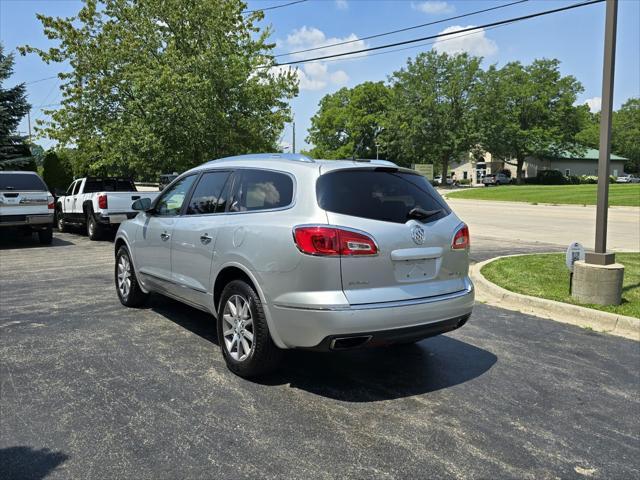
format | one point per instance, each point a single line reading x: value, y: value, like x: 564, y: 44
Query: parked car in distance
x: 627, y: 178
x: 495, y: 179
x: 289, y: 252
x: 448, y: 181
x: 26, y: 204
x: 98, y: 204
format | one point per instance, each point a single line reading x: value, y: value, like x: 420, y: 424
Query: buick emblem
x: 417, y: 233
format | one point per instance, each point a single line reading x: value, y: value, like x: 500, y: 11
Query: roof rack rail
x: 295, y: 157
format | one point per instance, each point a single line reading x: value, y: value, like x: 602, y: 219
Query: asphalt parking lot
x: 90, y: 389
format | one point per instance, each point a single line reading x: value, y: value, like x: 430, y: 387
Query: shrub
x: 588, y: 179
x: 551, y: 177
x: 464, y: 181
x: 573, y: 180
x: 56, y: 173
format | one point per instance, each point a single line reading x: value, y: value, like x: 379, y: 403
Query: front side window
x: 210, y: 194
x: 379, y: 194
x: 71, y: 187
x: 170, y: 203
x: 261, y: 190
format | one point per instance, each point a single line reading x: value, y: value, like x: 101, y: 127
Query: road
x: 90, y: 389
x: 547, y: 225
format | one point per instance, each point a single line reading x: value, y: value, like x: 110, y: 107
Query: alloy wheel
x: 237, y: 328
x: 124, y: 276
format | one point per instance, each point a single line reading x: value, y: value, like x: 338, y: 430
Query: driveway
x: 547, y: 225
x: 90, y: 389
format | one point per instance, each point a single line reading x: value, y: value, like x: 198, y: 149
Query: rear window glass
x: 93, y: 185
x: 261, y: 190
x: 21, y: 181
x: 386, y: 195
x: 210, y: 194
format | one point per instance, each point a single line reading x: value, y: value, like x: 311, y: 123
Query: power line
x: 274, y: 7
x: 40, y: 80
x: 431, y: 37
x: 400, y: 30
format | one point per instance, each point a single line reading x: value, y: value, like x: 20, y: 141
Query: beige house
x: 475, y: 168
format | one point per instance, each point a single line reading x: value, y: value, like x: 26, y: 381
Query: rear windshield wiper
x: 422, y: 214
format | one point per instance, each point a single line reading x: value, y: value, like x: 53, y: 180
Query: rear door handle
x: 165, y: 236
x: 205, y: 239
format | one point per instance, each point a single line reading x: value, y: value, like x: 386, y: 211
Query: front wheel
x: 127, y: 286
x: 243, y: 333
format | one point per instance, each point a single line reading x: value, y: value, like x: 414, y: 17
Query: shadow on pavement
x: 10, y: 240
x: 365, y: 375
x: 27, y: 463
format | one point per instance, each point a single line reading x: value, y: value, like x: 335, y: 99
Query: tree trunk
x: 519, y: 174
x: 445, y: 170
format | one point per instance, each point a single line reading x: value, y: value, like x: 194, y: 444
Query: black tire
x: 45, y: 236
x: 60, y: 223
x: 133, y: 296
x: 94, y: 231
x: 264, y: 355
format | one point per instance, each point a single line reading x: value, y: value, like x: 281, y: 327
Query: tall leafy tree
x: 163, y: 85
x: 14, y: 151
x: 432, y: 106
x: 625, y: 133
x: 528, y: 110
x: 349, y: 121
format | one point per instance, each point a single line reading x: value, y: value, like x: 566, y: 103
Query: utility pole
x: 598, y: 279
x: 29, y: 122
x: 294, y: 137
x: 600, y: 256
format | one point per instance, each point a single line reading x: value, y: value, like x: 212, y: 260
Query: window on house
x: 464, y: 175
x: 567, y: 172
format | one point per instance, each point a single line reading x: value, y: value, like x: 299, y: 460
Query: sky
x: 574, y: 37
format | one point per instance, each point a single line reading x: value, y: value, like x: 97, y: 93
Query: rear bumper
x: 37, y: 221
x: 384, y: 322
x: 115, y: 218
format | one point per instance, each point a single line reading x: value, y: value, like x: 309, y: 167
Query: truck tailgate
x: 120, y: 202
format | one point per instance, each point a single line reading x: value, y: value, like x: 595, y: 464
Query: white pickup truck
x: 98, y: 204
x: 26, y: 205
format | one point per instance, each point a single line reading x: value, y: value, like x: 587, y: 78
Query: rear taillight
x: 333, y: 241
x: 102, y: 201
x: 51, y: 203
x: 461, y: 239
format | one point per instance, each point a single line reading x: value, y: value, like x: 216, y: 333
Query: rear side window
x: 210, y: 194
x: 379, y: 194
x: 261, y: 190
x: 21, y: 181
x: 93, y: 185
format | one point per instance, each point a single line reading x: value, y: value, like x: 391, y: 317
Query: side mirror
x: 142, y: 205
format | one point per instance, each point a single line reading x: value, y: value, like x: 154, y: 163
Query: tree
x: 529, y: 111
x: 14, y: 151
x: 56, y: 170
x: 432, y: 109
x: 626, y: 133
x: 163, y: 85
x: 349, y: 121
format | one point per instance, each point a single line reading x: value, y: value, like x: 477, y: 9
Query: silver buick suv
x: 289, y: 252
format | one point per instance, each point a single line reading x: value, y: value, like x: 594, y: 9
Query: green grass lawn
x: 619, y: 194
x: 546, y: 276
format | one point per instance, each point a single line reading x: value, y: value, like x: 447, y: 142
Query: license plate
x: 415, y: 270
x: 11, y: 201
x: 117, y: 218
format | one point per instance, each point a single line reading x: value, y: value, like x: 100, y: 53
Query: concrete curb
x: 489, y: 292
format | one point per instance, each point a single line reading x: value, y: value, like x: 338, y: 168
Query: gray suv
x: 289, y: 252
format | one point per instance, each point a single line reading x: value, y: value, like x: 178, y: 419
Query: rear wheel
x: 243, y: 333
x: 45, y: 236
x: 94, y: 232
x: 127, y: 286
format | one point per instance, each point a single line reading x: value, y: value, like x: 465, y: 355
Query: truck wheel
x: 45, y: 236
x: 94, y: 232
x: 129, y: 291
x: 244, y: 337
x: 62, y: 227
